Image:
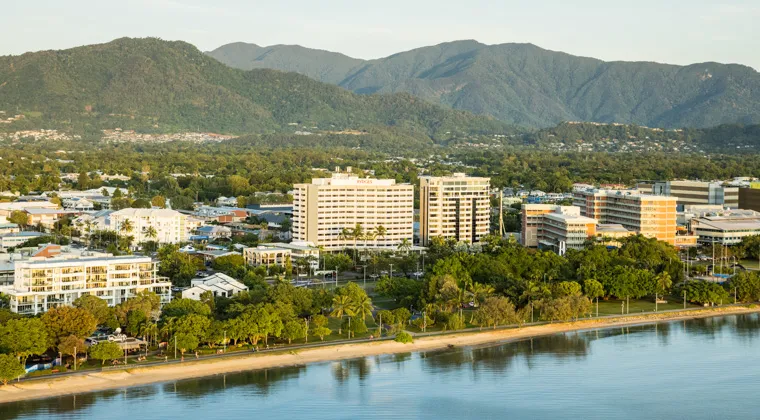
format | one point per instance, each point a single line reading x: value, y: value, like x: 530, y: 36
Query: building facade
x: 49, y: 283
x: 266, y: 256
x: 327, y: 207
x: 649, y: 215
x: 454, y: 207
x: 749, y: 198
x: 725, y: 227
x: 556, y: 227
x: 171, y: 227
x: 698, y: 192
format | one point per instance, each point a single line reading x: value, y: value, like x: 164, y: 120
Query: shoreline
x: 139, y: 376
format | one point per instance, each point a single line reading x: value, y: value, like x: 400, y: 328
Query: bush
x: 404, y: 337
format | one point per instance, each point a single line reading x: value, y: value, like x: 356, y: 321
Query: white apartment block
x: 171, y: 226
x: 455, y: 207
x: 327, y: 206
x: 48, y: 283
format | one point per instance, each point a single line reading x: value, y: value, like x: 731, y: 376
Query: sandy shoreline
x: 98, y: 381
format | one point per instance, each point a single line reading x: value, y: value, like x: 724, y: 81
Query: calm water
x: 699, y: 369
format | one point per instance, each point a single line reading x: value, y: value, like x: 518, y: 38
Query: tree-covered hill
x: 530, y: 86
x: 155, y: 85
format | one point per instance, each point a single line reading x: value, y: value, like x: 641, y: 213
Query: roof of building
x: 219, y: 281
x: 570, y: 218
x: 132, y: 212
x: 610, y: 228
x: 22, y: 234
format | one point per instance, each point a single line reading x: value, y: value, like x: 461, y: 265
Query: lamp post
x: 365, y: 276
x: 224, y: 342
x: 391, y: 272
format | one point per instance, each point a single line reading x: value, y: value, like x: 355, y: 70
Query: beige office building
x: 327, y: 206
x: 454, y: 207
x: 650, y: 215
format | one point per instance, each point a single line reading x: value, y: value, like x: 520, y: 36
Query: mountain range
x: 530, y: 86
x: 161, y: 86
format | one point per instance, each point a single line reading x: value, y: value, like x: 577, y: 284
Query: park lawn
x: 613, y: 306
x: 750, y: 264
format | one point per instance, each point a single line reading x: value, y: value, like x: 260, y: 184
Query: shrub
x: 404, y: 337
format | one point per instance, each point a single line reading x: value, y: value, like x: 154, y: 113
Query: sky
x: 667, y: 31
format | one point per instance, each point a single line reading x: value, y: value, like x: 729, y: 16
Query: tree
x: 24, y: 337
x: 386, y: 317
x: 294, y: 329
x: 83, y: 182
x: 158, y: 201
x: 593, y: 289
x: 19, y: 217
x: 135, y: 321
x: 207, y: 298
x: 178, y: 266
x: 356, y: 325
x: 71, y: 345
x: 342, y: 305
x: 401, y: 316
x: 182, y: 307
x: 232, y: 265
x: 10, y: 368
x: 496, y: 310
x: 338, y: 262
x: 455, y: 322
x: 64, y: 321
x: 321, y: 332
x: 96, y: 306
x: 145, y: 301
x: 150, y: 233
x: 404, y: 337
x: 106, y: 350
x: 567, y: 288
x: 746, y: 285
x: 362, y: 306
x: 186, y: 342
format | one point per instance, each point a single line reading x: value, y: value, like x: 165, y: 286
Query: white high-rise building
x: 171, y: 226
x: 51, y: 282
x: 325, y: 208
x: 454, y: 207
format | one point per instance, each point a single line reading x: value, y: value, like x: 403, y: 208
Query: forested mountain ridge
x: 531, y: 86
x: 160, y: 86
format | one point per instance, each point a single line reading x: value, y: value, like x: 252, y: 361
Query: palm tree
x: 150, y: 232
x: 363, y: 307
x: 342, y: 305
x: 357, y: 233
x: 126, y: 226
x: 380, y: 231
x: 405, y: 246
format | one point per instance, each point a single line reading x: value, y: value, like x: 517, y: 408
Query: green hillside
x: 160, y: 86
x: 530, y: 86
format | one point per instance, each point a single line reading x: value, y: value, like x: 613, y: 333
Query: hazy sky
x: 670, y: 31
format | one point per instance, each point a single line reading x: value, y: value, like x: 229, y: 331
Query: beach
x: 97, y: 381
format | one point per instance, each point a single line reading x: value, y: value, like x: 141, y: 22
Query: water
x: 698, y: 369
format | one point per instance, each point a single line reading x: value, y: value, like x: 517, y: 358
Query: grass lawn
x: 613, y: 307
x: 750, y: 264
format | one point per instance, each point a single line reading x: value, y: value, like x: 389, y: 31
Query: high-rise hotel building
x: 454, y: 207
x: 649, y: 215
x: 325, y: 208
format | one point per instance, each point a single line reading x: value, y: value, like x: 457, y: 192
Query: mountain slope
x: 155, y: 85
x: 527, y: 85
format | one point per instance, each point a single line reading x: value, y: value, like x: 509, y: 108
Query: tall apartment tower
x: 455, y: 207
x: 325, y: 208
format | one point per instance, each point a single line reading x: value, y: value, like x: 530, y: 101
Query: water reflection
x: 432, y: 382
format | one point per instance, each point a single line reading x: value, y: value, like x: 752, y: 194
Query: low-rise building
x: 40, y: 285
x: 263, y: 255
x: 219, y: 284
x: 14, y: 240
x: 725, y: 227
x: 556, y: 227
x: 9, y: 228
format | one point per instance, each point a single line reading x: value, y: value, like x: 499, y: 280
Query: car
x: 373, y: 276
